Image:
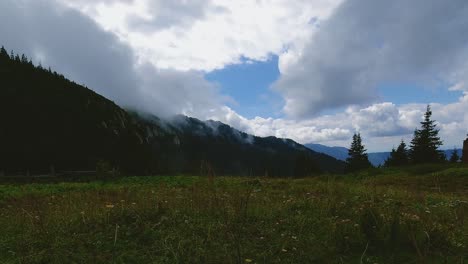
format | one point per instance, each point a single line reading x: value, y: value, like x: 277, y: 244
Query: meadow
x: 412, y: 215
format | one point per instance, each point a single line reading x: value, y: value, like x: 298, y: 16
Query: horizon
x: 312, y: 71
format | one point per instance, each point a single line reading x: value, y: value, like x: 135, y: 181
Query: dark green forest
x: 49, y: 123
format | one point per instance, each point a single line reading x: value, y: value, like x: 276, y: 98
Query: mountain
x: 376, y: 158
x: 339, y: 153
x: 48, y: 121
x: 185, y: 143
x: 51, y: 122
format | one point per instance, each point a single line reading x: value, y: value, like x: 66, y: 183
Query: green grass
x: 379, y: 216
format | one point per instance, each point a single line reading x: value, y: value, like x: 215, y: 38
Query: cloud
x: 207, y: 35
x: 170, y: 14
x: 76, y: 46
x: 382, y: 125
x: 364, y: 44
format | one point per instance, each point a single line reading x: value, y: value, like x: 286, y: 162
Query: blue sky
x: 249, y: 85
x: 413, y: 93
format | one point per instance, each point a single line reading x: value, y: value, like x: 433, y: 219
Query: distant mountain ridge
x: 51, y: 123
x: 184, y: 143
x: 376, y: 158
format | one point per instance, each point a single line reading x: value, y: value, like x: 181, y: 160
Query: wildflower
x: 411, y: 217
x: 284, y: 250
x: 82, y: 212
x: 248, y: 260
x: 294, y: 237
x: 109, y: 206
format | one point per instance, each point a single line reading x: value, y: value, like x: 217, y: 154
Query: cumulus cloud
x: 207, y: 35
x: 364, y: 44
x: 382, y: 125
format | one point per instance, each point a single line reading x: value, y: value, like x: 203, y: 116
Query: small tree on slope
x: 357, y: 156
x: 398, y: 157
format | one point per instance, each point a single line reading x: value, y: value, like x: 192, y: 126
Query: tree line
x: 423, y: 148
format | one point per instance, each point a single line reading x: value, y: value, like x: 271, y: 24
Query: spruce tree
x: 398, y: 157
x: 4, y: 53
x: 426, y: 141
x: 357, y: 156
x: 24, y: 59
x: 454, y: 158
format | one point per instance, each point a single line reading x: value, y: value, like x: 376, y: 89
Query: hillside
x: 51, y: 123
x: 188, y: 145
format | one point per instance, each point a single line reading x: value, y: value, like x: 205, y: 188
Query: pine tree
x: 357, y: 156
x: 24, y: 59
x: 4, y: 53
x: 426, y: 141
x: 398, y: 157
x: 454, y: 158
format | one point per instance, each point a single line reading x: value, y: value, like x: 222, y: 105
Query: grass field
x: 415, y: 215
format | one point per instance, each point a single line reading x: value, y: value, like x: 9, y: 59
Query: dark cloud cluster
x: 367, y: 43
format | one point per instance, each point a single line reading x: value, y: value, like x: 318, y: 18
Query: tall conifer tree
x: 426, y: 142
x: 357, y: 156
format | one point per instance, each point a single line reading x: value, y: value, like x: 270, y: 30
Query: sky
x: 316, y: 71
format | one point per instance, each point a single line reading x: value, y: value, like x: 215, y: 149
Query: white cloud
x: 206, y: 35
x: 382, y: 125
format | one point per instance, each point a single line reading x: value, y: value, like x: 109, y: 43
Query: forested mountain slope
x: 49, y: 121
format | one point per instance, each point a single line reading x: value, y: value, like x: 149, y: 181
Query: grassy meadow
x: 412, y: 215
